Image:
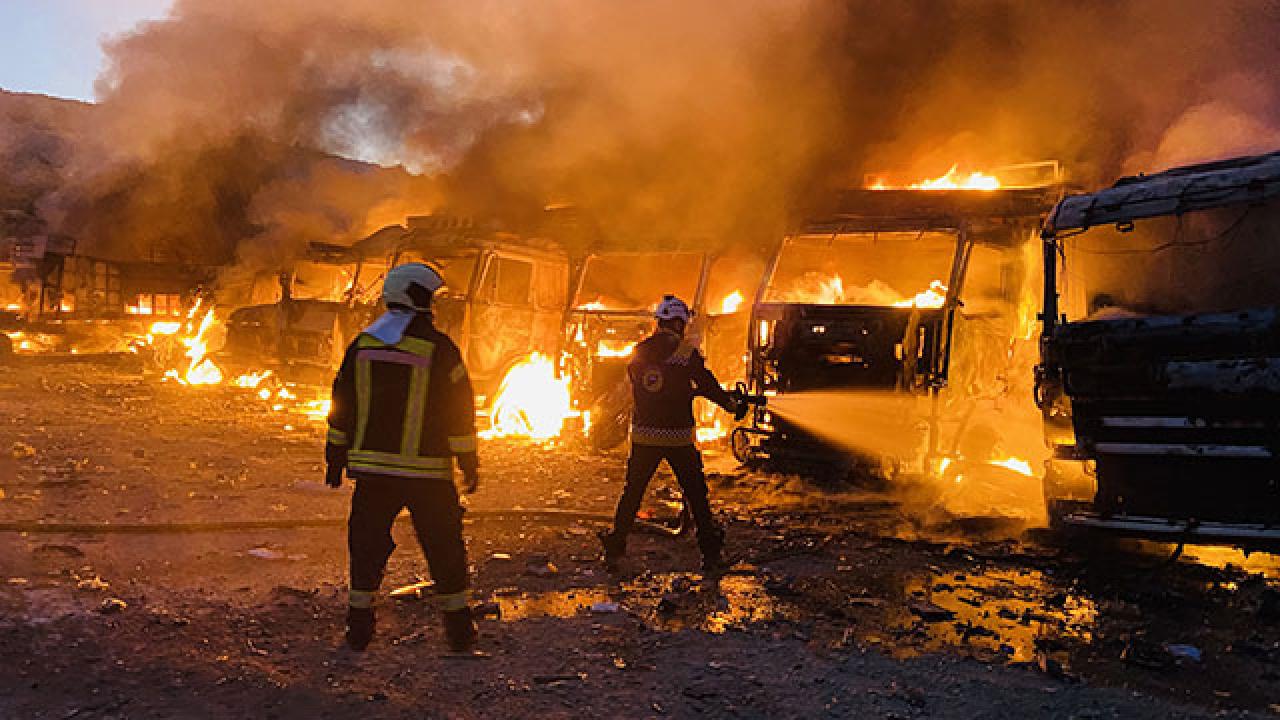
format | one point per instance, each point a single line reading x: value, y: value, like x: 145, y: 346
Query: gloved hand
x: 740, y: 411
x: 470, y: 481
x: 333, y: 475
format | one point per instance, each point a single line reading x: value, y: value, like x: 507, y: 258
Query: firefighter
x: 402, y: 412
x: 666, y: 373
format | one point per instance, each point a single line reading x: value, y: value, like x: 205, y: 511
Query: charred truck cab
x: 1159, y: 381
x: 504, y: 300
x: 909, y: 308
x: 612, y: 310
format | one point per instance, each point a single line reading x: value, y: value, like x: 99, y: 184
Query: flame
x: 200, y: 369
x: 952, y: 180
x: 1018, y: 465
x: 609, y: 348
x: 934, y: 297
x: 817, y: 289
x: 165, y: 327
x: 13, y: 307
x: 712, y: 432
x: 532, y: 401
x: 731, y: 303
x: 252, y: 379
x: 593, y: 305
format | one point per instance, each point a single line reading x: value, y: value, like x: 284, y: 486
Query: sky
x: 54, y: 46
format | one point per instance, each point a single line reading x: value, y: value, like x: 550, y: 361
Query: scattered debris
x: 929, y: 612
x: 540, y: 565
x: 22, y: 451
x: 605, y: 608
x: 95, y: 584
x: 266, y: 553
x: 112, y: 605
x: 415, y: 591
x: 488, y: 609
x: 1182, y: 651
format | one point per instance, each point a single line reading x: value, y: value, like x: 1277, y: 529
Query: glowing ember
x: 13, y: 307
x: 593, y: 305
x: 731, y: 303
x: 532, y: 401
x: 1018, y: 465
x: 934, y: 297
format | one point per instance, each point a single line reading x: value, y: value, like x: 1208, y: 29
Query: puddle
x: 1017, y: 614
x: 668, y: 602
x: 1265, y: 564
x: 557, y: 604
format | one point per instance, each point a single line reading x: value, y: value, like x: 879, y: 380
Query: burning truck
x: 612, y: 310
x: 1159, y: 381
x: 892, y: 334
x: 60, y: 302
x: 504, y: 301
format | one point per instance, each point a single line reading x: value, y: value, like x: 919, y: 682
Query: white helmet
x: 411, y: 285
x: 672, y: 308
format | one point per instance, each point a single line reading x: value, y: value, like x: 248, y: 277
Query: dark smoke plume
x: 663, y: 120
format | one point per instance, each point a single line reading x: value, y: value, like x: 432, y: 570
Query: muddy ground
x: 838, y: 605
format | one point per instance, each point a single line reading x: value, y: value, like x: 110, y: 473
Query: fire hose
x: 158, y: 528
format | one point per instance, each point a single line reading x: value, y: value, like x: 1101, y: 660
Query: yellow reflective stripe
x: 374, y: 457
x: 452, y: 601
x: 462, y: 443
x: 368, y: 341
x: 364, y: 393
x: 458, y: 372
x: 417, y: 346
x: 416, y: 408
x: 360, y: 598
x: 358, y: 470
x: 336, y: 437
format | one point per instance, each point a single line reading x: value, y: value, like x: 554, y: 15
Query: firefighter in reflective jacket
x: 666, y: 373
x: 402, y: 412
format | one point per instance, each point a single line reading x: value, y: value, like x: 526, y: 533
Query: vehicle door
x: 550, y: 296
x: 502, y: 315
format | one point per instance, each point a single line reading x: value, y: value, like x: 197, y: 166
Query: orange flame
x: 952, y: 180
x: 532, y: 402
x: 731, y: 303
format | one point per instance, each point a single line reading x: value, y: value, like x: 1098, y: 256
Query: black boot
x: 711, y: 543
x: 460, y: 629
x: 615, y: 548
x: 360, y: 624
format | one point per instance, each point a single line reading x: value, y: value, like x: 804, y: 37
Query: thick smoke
x: 664, y: 120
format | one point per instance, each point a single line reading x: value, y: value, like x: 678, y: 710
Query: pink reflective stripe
x: 394, y: 356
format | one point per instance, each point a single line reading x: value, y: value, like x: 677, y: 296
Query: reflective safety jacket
x: 403, y: 410
x: 666, y: 375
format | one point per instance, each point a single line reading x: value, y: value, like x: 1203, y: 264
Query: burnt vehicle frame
x: 905, y: 352
x: 599, y: 336
x: 1164, y: 422
x: 504, y: 299
x: 78, y: 300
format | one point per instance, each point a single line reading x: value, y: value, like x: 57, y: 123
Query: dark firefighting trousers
x: 686, y: 463
x: 437, y: 520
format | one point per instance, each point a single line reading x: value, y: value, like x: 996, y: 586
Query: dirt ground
x: 838, y: 606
